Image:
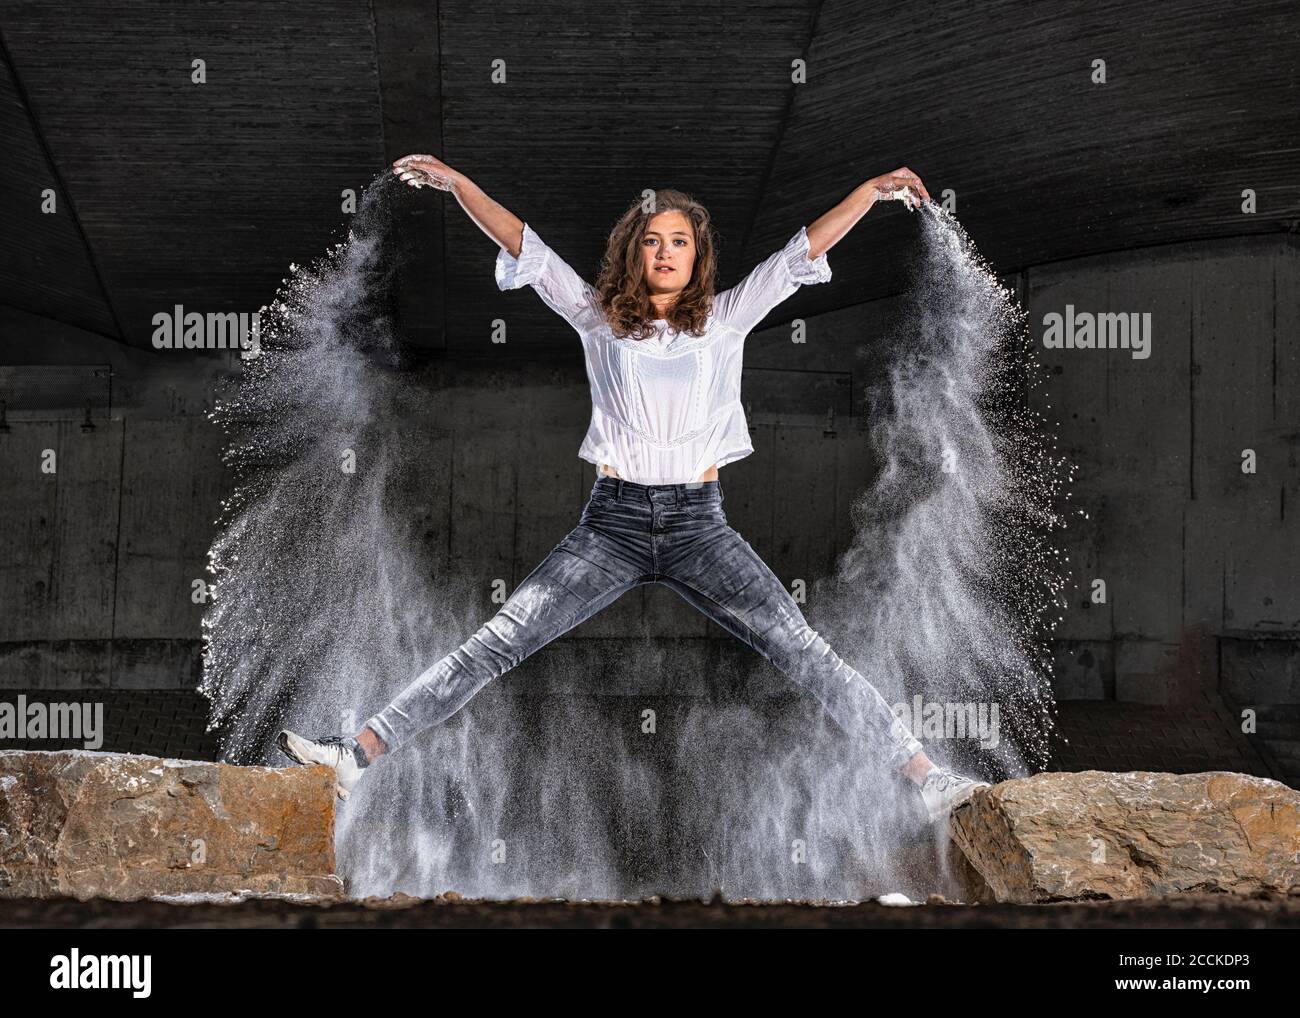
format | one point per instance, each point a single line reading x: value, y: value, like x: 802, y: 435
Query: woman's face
x: 668, y: 252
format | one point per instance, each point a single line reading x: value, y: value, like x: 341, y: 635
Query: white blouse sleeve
x: 562, y: 289
x: 770, y: 282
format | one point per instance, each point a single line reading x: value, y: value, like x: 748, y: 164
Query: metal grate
x: 1108, y: 735
x: 59, y: 391
x: 166, y: 723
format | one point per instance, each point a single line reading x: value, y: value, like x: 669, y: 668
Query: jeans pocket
x: 600, y: 501
x: 706, y: 510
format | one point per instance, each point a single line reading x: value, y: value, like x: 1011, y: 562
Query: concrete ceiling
x: 173, y: 192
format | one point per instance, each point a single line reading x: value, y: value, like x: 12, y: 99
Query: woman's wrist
x: 867, y: 194
x: 457, y: 182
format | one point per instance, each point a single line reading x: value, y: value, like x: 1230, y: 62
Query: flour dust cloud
x: 334, y: 589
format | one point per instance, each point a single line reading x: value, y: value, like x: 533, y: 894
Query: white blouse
x: 666, y: 408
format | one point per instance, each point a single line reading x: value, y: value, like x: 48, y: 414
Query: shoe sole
x: 282, y: 740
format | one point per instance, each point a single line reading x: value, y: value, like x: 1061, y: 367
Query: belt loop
x: 619, y: 494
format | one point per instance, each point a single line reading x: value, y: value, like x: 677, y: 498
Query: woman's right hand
x: 901, y: 185
x: 425, y: 171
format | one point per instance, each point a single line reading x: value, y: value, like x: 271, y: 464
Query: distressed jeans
x: 629, y: 534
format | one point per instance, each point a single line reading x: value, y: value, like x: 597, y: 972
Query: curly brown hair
x: 624, y: 297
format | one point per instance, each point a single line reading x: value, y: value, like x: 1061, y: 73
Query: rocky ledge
x: 114, y: 825
x: 1062, y: 836
x: 111, y: 825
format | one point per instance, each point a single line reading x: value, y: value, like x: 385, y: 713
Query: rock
x: 1096, y: 834
x: 932, y: 863
x: 120, y: 826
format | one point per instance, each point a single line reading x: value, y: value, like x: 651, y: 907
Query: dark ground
x: 1199, y: 911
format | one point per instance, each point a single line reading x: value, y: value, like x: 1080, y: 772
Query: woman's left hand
x: 901, y: 185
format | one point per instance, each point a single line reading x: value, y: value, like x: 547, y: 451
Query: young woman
x: 663, y: 357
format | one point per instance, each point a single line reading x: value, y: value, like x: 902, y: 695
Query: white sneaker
x: 943, y: 789
x: 331, y: 750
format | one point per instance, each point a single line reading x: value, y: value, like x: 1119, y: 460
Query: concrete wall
x: 96, y: 557
x: 1199, y: 559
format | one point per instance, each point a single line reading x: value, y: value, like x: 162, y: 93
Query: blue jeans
x: 629, y: 534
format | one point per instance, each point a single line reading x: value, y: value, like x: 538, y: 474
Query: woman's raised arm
x: 827, y: 229
x: 803, y: 258
x: 524, y: 258
x: 498, y: 222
